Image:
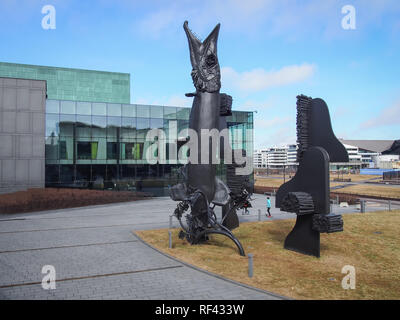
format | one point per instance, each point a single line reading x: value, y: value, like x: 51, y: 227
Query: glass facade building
x: 74, y: 84
x: 103, y: 145
x: 94, y: 137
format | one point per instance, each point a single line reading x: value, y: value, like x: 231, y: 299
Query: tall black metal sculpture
x: 307, y: 194
x: 202, y: 190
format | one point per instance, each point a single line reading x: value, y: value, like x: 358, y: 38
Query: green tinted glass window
x: 142, y: 111
x: 68, y: 107
x: 74, y: 84
x: 84, y: 108
x: 156, y: 112
x: 113, y: 109
x: 52, y: 125
x: 99, y: 109
x: 129, y: 110
x: 52, y: 106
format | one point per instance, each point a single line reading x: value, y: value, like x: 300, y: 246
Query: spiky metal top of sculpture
x: 206, y: 73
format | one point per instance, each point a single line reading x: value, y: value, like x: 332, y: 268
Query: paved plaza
x: 96, y: 255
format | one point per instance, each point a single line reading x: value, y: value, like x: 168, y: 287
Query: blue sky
x: 269, y: 52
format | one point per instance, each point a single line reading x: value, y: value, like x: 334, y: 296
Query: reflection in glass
x: 99, y: 152
x: 67, y: 173
x: 84, y: 108
x: 99, y: 109
x: 156, y: 112
x: 83, y: 126
x: 67, y: 123
x: 112, y: 173
x: 129, y: 110
x: 170, y: 128
x: 183, y: 113
x: 99, y: 174
x: 52, y: 106
x: 113, y: 109
x: 83, y: 173
x: 142, y: 111
x: 66, y: 151
x: 128, y: 130
x: 99, y: 125
x: 84, y: 150
x: 142, y: 125
x: 112, y: 150
x: 52, y: 174
x: 113, y: 121
x: 169, y: 112
x: 63, y: 152
x: 68, y: 107
x: 52, y: 124
x: 156, y: 123
x: 51, y: 148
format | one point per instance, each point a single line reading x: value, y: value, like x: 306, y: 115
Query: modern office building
x: 276, y: 157
x: 364, y: 153
x: 86, y: 141
x: 74, y: 84
x: 292, y: 155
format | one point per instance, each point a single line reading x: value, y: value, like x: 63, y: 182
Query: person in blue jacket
x: 268, y: 214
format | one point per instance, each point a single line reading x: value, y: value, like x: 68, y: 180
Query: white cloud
x: 260, y: 123
x: 277, y: 137
x: 288, y: 18
x: 260, y: 79
x: 387, y: 117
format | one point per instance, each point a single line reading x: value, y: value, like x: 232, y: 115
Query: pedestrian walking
x: 268, y: 214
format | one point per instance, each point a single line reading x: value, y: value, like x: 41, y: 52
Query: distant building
x: 367, y: 153
x: 276, y: 157
x: 76, y: 128
x: 362, y: 154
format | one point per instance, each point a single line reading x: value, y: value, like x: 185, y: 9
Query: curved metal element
x: 182, y: 225
x: 224, y: 233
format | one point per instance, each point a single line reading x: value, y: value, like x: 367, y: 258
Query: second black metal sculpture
x: 307, y: 194
x: 202, y: 190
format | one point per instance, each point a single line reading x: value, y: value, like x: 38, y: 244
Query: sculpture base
x: 303, y: 238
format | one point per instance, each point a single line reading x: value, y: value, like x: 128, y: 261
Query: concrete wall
x: 22, y: 131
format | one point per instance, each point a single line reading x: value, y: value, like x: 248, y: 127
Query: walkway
x: 96, y: 256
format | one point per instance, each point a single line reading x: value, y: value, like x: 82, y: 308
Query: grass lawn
x: 370, y: 243
x: 269, y: 182
x: 276, y: 183
x: 355, y: 177
x: 372, y: 190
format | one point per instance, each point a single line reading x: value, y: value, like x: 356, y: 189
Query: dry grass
x: 372, y: 190
x: 355, y: 177
x: 276, y: 183
x: 376, y: 257
x: 269, y: 182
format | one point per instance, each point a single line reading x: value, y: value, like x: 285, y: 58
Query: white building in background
x: 276, y: 157
x: 292, y: 155
x: 362, y: 154
x: 257, y: 159
x: 368, y: 153
x: 387, y: 161
x: 353, y: 152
